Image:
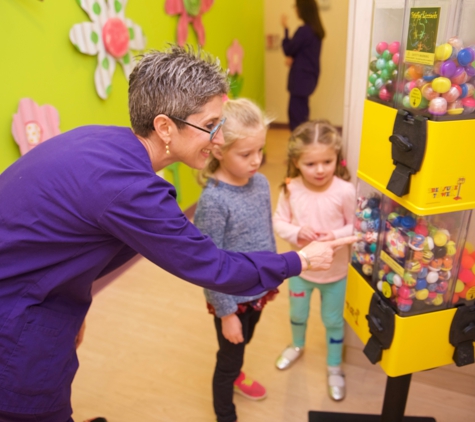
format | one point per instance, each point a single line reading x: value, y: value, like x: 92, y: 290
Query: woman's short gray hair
x: 175, y: 82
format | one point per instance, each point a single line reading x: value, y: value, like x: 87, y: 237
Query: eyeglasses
x: 212, y: 133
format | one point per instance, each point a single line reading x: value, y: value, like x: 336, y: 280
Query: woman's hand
x: 288, y: 61
x: 320, y: 254
x: 284, y: 20
x: 306, y: 235
x: 232, y: 328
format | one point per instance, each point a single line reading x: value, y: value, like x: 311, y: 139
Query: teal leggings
x: 332, y: 301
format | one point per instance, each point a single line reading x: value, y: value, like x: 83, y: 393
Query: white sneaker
x: 336, y: 383
x: 288, y: 357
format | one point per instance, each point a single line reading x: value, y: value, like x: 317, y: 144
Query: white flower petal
x: 97, y: 10
x: 103, y: 74
x: 137, y: 37
x: 86, y: 37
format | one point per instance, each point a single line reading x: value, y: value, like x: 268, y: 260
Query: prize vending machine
x: 412, y: 271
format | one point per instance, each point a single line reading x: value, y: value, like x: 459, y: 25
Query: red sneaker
x: 249, y: 388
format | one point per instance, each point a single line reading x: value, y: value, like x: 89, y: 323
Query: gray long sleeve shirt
x: 239, y: 219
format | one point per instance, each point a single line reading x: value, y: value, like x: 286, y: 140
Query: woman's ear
x: 164, y: 127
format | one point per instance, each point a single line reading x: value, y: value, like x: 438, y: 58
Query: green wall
x: 39, y: 62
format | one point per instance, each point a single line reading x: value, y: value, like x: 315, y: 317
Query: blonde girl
x: 317, y: 203
x: 235, y: 211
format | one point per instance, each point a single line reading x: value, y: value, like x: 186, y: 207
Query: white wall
x: 328, y: 99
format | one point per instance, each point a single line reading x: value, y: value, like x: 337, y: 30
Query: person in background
x: 303, y: 57
x: 85, y: 202
x: 235, y: 211
x: 317, y: 203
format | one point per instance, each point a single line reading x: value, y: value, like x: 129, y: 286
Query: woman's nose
x: 218, y: 139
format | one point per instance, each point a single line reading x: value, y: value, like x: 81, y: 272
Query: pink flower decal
x: 33, y: 124
x: 234, y: 55
x: 190, y: 11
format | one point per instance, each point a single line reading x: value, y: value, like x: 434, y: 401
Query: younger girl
x: 235, y: 211
x: 317, y: 203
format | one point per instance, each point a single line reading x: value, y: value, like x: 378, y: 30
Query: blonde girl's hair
x: 312, y: 133
x: 243, y: 118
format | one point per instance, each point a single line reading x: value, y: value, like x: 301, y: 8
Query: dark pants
x: 230, y: 358
x: 44, y: 417
x: 299, y: 110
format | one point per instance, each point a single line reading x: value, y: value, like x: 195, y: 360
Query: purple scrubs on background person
x: 73, y: 209
x: 304, y: 49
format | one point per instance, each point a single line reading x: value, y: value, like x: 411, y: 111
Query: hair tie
x: 288, y: 180
x: 343, y: 163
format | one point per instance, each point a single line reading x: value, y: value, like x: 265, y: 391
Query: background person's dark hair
x: 308, y: 12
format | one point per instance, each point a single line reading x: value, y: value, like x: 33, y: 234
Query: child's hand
x: 326, y: 236
x: 288, y: 61
x: 232, y: 328
x: 306, y: 235
x: 284, y: 21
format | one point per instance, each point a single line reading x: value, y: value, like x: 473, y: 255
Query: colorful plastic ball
x: 440, y: 238
x: 403, y: 304
x: 447, y: 68
x: 443, y: 51
x: 442, y: 287
x: 438, y: 106
x: 424, y: 103
x: 406, y: 102
x: 385, y: 95
x: 423, y: 272
x: 467, y: 262
x: 460, y: 76
x: 447, y: 264
x: 465, y: 56
x: 451, y: 248
x: 408, y: 222
x: 379, y: 83
x: 453, y: 93
x: 438, y: 300
x: 379, y: 285
x: 456, y: 43
x: 386, y: 55
x: 381, y: 46
x: 394, y: 47
x: 395, y: 58
x: 392, y: 217
x: 466, y: 276
x: 391, y: 66
x: 421, y: 229
x: 455, y: 108
x: 381, y: 63
x: 372, y: 248
x: 432, y: 287
x: 413, y: 72
x: 372, y: 66
x: 445, y: 275
x: 430, y: 298
x: 373, y: 202
x: 397, y: 280
x: 373, y: 91
x: 417, y: 242
x: 441, y: 85
x: 428, y: 92
x: 422, y: 294
x: 390, y: 277
x: 372, y: 78
x: 468, y: 105
x: 428, y: 243
x: 367, y: 269
x: 470, y: 71
x: 459, y: 286
x: 421, y: 283
x: 432, y: 277
x: 404, y: 292
x: 409, y: 279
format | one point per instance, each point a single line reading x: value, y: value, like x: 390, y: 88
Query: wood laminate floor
x: 149, y: 354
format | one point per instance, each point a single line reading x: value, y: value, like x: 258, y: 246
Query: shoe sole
x: 238, y: 391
